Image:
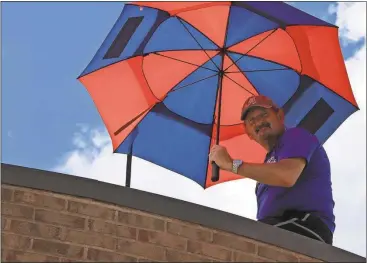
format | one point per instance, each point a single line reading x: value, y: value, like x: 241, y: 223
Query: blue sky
x: 45, y: 45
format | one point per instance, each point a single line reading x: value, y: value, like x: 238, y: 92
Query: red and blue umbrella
x: 170, y: 79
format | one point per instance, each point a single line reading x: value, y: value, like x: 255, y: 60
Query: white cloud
x: 351, y: 17
x: 78, y: 141
x: 93, y: 157
x: 83, y: 127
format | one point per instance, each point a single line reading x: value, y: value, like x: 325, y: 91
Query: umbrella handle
x: 215, y: 172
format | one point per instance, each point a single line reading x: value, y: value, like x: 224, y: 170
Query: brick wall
x: 43, y: 226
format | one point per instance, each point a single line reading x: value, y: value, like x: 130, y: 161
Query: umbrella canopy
x: 170, y: 79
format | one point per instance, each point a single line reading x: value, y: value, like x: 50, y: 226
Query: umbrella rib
x: 246, y: 78
x: 258, y: 70
x: 239, y: 84
x: 185, y: 62
x: 251, y: 49
x: 123, y: 127
x: 199, y: 44
x: 193, y: 83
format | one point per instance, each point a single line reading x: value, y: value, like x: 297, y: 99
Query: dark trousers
x: 302, y: 223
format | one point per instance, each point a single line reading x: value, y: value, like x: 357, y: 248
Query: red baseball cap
x: 257, y: 101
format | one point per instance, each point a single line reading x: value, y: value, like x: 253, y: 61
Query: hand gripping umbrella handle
x: 215, y: 172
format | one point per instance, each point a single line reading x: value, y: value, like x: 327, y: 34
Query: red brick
x: 126, y: 231
x: 18, y: 211
x: 35, y: 230
x: 100, y: 255
x: 6, y: 194
x: 162, y: 239
x: 91, y: 239
x: 178, y: 256
x: 5, y: 223
x: 208, y: 250
x: 112, y: 229
x: 91, y: 210
x: 191, y: 232
x: 276, y: 254
x: 39, y: 200
x: 141, y: 249
x: 61, y: 219
x: 57, y: 248
x: 15, y: 241
x: 101, y: 226
x: 242, y: 257
x: 141, y: 221
x: 22, y: 256
x: 232, y: 241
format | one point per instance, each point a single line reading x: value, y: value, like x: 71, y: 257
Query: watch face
x: 237, y: 162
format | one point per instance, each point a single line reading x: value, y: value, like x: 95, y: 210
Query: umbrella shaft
x: 128, y: 169
x: 219, y: 106
x: 215, y: 167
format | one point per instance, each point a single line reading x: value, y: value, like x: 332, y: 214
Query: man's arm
x: 293, y: 155
x: 283, y: 173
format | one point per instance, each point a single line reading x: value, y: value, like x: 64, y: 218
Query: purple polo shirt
x: 312, y: 192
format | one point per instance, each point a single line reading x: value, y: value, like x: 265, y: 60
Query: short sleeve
x: 297, y: 143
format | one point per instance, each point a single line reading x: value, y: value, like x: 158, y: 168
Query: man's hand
x: 220, y: 156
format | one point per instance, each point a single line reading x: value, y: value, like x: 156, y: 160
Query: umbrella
x: 170, y: 79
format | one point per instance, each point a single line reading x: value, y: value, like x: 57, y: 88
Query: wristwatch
x: 235, y: 165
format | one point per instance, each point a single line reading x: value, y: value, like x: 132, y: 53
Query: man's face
x: 262, y: 123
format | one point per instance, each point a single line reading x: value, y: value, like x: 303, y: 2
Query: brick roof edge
x: 173, y: 208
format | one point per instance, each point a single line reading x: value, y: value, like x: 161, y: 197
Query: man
x: 294, y: 185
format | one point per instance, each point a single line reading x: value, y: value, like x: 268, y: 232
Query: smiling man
x: 294, y: 183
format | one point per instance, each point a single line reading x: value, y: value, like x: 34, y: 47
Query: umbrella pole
x: 128, y: 168
x: 215, y: 167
